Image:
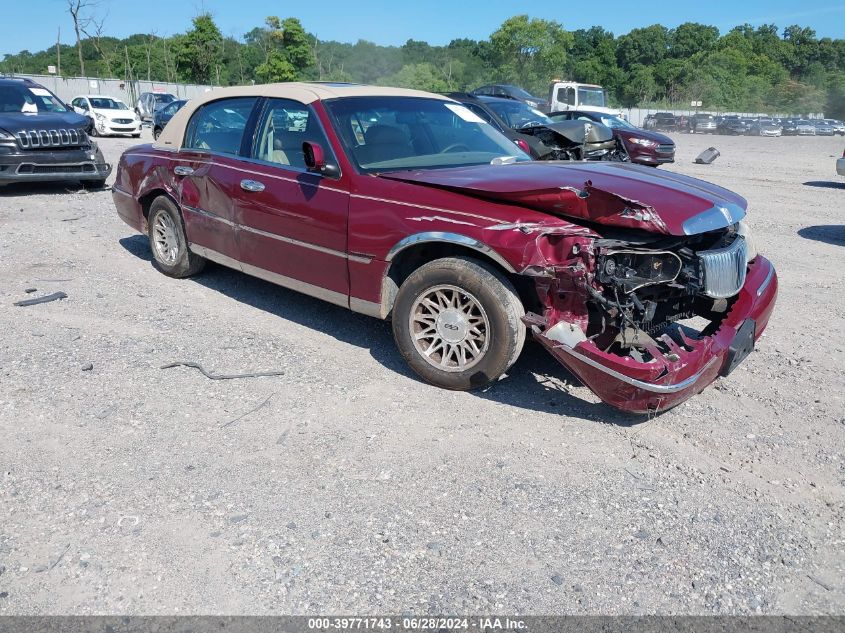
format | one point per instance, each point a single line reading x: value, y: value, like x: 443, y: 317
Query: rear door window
x: 219, y: 126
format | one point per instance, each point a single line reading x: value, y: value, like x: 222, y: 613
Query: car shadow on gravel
x: 828, y: 233
x: 17, y: 190
x: 825, y: 184
x: 536, y: 382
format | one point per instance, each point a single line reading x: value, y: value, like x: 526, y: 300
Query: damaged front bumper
x: 669, y: 379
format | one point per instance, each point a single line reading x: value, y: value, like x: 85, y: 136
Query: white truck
x: 570, y: 95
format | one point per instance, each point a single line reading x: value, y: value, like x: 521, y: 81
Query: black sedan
x: 645, y: 147
x: 163, y: 115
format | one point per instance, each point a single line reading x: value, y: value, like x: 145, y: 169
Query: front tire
x: 457, y: 321
x: 156, y: 133
x: 168, y: 242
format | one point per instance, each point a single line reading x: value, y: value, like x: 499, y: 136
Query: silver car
x: 823, y: 128
x: 805, y: 128
x: 766, y: 127
x: 150, y: 102
x: 838, y: 126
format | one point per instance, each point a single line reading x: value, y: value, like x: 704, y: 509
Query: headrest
x: 384, y: 135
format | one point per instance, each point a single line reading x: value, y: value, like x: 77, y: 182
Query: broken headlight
x: 744, y: 231
x: 630, y: 269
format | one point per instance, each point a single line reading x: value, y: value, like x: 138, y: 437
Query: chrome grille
x: 724, y: 269
x: 30, y: 139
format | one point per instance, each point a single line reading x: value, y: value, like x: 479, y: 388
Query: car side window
x: 284, y: 127
x: 219, y: 126
x: 482, y: 113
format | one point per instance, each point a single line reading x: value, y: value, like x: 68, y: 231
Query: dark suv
x: 42, y: 139
x: 507, y: 91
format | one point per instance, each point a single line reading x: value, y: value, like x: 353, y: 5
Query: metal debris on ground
x: 45, y: 299
x: 257, y: 374
x: 253, y: 410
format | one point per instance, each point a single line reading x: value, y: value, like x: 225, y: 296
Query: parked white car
x: 110, y: 115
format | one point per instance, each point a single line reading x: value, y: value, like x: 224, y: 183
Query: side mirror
x: 315, y: 160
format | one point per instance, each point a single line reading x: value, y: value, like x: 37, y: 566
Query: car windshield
x: 519, y: 92
x: 591, y: 96
x: 384, y: 134
x: 616, y: 123
x: 517, y: 115
x: 164, y: 98
x: 26, y: 99
x: 106, y: 103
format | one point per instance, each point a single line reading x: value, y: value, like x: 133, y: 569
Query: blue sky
x: 32, y: 24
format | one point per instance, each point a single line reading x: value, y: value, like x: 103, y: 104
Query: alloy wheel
x: 450, y: 328
x: 164, y: 238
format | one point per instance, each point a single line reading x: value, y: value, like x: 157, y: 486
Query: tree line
x: 745, y: 69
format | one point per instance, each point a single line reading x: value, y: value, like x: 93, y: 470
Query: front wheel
x: 457, y: 321
x: 168, y: 241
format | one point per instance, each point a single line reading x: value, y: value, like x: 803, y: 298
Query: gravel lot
x: 347, y: 485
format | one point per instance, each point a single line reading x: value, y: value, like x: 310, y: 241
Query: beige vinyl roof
x: 174, y: 132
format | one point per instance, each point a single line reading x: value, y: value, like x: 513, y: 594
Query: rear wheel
x: 168, y: 242
x: 156, y: 133
x: 457, y: 322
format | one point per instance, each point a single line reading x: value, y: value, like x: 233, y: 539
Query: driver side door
x: 292, y: 223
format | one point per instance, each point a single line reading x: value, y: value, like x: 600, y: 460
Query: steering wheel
x: 453, y: 147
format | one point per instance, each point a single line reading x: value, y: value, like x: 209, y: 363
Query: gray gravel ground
x: 347, y: 485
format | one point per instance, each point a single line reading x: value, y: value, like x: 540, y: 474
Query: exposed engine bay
x: 577, y: 140
x: 647, y: 288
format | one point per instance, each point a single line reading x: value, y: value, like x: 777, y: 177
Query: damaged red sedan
x: 406, y: 205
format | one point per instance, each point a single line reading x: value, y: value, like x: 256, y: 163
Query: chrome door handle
x: 183, y: 170
x: 252, y: 185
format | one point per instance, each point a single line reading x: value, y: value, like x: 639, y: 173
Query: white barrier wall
x: 66, y: 88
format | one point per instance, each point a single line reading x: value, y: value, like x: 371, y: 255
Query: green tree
x: 287, y: 50
x: 645, y: 47
x: 419, y: 76
x: 690, y: 38
x: 529, y: 52
x: 199, y: 52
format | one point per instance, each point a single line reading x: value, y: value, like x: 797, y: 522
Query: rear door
x: 293, y: 223
x: 207, y: 178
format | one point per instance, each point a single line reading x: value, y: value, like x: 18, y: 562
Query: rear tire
x: 168, y: 242
x: 457, y: 321
x: 156, y: 133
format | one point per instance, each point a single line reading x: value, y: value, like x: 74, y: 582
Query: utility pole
x: 59, y: 52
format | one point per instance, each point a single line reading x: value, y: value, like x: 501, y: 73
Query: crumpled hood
x: 607, y: 193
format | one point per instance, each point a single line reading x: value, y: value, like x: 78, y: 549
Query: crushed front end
x: 646, y: 320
